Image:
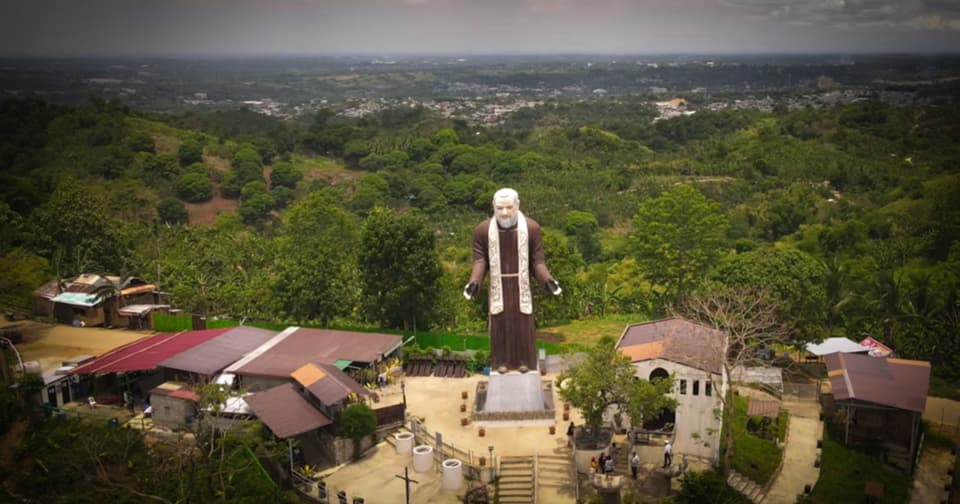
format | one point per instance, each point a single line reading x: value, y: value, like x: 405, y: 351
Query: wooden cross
x: 406, y: 480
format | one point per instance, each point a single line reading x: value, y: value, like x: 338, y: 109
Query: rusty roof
x: 763, y: 407
x: 285, y: 411
x: 174, y: 389
x: 212, y: 356
x: 897, y: 383
x: 676, y: 340
x: 319, y: 346
x: 327, y: 383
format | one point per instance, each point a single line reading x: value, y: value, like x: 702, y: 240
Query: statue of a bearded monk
x: 510, y: 247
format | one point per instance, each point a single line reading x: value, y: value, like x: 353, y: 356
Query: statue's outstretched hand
x: 553, y: 287
x: 470, y: 290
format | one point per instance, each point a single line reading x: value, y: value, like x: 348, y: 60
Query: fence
x: 471, y: 461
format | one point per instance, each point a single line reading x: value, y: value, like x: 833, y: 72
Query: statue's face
x: 505, y: 210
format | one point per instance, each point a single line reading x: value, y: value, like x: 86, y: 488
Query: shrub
x: 194, y: 187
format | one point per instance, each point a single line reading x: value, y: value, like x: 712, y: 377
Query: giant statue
x: 509, y: 246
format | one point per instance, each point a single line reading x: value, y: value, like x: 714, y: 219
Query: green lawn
x: 749, y: 450
x: 840, y: 480
x: 587, y: 332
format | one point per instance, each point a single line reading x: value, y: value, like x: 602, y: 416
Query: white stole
x: 523, y: 254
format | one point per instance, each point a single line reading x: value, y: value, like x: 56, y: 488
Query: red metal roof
x: 285, y: 411
x: 898, y: 383
x: 147, y: 353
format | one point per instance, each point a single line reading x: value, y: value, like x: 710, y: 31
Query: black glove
x: 470, y: 290
x: 553, y: 287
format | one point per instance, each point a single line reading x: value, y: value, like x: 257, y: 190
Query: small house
x: 879, y: 402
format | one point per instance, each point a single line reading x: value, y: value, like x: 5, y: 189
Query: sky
x: 388, y: 27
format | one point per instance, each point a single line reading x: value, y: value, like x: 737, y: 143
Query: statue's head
x: 506, y: 207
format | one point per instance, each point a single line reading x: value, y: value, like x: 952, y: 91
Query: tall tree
x: 75, y: 232
x: 316, y: 262
x: 399, y: 268
x: 750, y: 320
x: 795, y: 279
x: 677, y: 237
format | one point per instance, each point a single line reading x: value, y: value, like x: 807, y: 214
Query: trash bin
x: 452, y: 474
x: 422, y: 458
x: 404, y: 443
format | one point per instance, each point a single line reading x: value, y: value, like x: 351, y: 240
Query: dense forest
x: 848, y: 216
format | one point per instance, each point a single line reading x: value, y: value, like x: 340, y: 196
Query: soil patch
x: 205, y: 213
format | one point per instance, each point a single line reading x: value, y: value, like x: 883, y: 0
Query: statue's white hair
x: 505, y: 193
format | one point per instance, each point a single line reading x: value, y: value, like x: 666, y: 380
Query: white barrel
x: 452, y: 474
x: 422, y: 458
x: 404, y: 443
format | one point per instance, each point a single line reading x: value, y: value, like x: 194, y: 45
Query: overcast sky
x: 237, y: 27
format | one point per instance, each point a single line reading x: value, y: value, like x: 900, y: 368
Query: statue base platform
x: 514, y: 398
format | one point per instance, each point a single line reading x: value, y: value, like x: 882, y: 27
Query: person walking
x: 667, y: 454
x: 634, y: 463
x: 570, y: 431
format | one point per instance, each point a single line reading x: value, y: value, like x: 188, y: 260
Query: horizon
x: 219, y: 28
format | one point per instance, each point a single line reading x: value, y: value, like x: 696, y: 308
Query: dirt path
x: 931, y: 475
x: 800, y: 451
x: 51, y: 344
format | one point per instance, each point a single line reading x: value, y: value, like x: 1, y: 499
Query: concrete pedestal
x: 514, y: 391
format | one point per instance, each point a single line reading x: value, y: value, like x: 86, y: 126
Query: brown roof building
x: 677, y: 340
x: 897, y: 383
x: 881, y: 401
x: 212, y: 356
x: 303, y: 346
x: 327, y: 383
x: 285, y: 412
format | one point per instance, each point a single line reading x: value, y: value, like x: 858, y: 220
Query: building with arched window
x: 693, y: 353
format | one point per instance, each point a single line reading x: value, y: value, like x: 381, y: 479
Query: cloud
x: 922, y: 15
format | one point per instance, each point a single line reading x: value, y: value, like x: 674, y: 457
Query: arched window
x: 658, y: 373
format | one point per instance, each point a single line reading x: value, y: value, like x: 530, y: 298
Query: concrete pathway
x: 931, y: 476
x: 942, y: 412
x: 800, y: 451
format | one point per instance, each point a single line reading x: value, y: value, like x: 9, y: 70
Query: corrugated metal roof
x: 896, y: 383
x: 48, y: 290
x: 140, y: 309
x: 835, y: 345
x: 139, y: 289
x: 327, y: 383
x: 285, y: 411
x: 174, y: 389
x: 77, y: 299
x: 320, y: 346
x: 211, y: 357
x: 763, y: 407
x: 147, y: 353
x: 682, y: 341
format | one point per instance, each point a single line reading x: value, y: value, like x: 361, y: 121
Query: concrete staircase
x: 516, y: 483
x: 554, y: 472
x: 747, y: 487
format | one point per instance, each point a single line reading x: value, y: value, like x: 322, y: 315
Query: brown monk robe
x: 511, y: 331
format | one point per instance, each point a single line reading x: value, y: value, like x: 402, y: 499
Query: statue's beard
x: 509, y: 222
